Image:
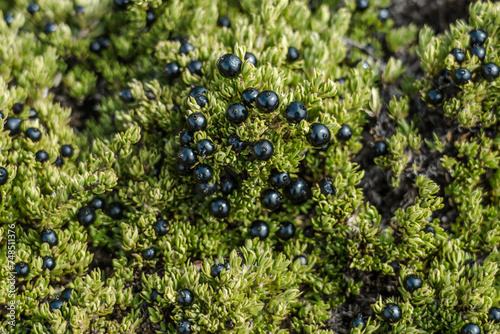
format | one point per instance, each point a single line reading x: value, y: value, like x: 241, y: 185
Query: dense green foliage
x: 110, y: 70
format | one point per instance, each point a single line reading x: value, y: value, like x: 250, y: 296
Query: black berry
x: 319, y: 135
x: 22, y: 269
x: 17, y: 108
x: 86, y: 215
x: 259, y: 229
x: 32, y: 114
x: 380, y: 148
x: 435, y: 96
x: 267, y: 101
x: 197, y: 122
x: 197, y: 90
x: 49, y: 236
x: 229, y: 65
x: 279, y: 179
x: 470, y: 329
x: 391, y: 313
x: 13, y: 124
x: 161, y: 227
x: 478, y: 37
x: 115, y: 210
x: 97, y: 203
x: 186, y: 48
x: 201, y: 100
x: 248, y: 96
x: 479, y: 52
x: 186, y: 137
x: 358, y: 322
x: 205, y: 189
x: 227, y: 184
x: 183, y: 170
x: 184, y: 327
x: 121, y: 4
x: 157, y: 169
x: 48, y: 263
x: 263, y: 149
x: 412, y: 282
x: 271, y: 199
x: 149, y: 253
x: 490, y: 71
x: 224, y: 22
x: 383, y: 15
x: 150, y: 18
x: 198, y: 94
x: 302, y: 259
x: 298, y: 191
x: 286, y: 231
x: 219, y: 207
x: 327, y: 188
x: 395, y: 266
x: 186, y: 156
x: 430, y: 229
x: 66, y: 294
x: 4, y: 176
x: 195, y: 67
x: 462, y: 75
x: 33, y: 8
x: 459, y: 55
x: 50, y: 28
x: 344, y: 133
x: 250, y: 57
x: 236, y: 143
x: 95, y: 47
x: 9, y: 18
x: 56, y: 304
x: 185, y: 297
x: 205, y: 147
x: 340, y: 81
x: 104, y: 42
x: 172, y: 71
x: 203, y: 173
x: 59, y: 162
x: 41, y: 156
x: 154, y: 295
x: 216, y: 270
x: 67, y: 151
x: 362, y: 5
x: 236, y: 113
x: 494, y: 314
x: 293, y: 54
x: 126, y: 96
x: 182, y: 40
x: 296, y: 112
x: 34, y: 134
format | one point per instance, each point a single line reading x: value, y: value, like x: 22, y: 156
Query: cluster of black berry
x: 489, y: 71
x: 13, y: 125
x: 87, y: 214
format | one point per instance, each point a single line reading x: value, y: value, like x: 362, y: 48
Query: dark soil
x: 437, y: 14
